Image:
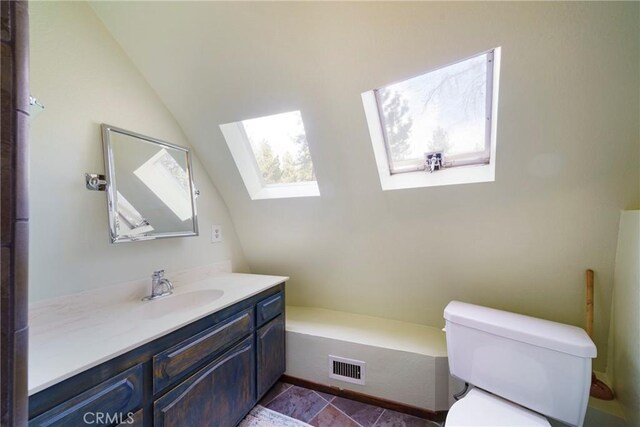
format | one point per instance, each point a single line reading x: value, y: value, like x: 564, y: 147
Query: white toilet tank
x: 542, y: 365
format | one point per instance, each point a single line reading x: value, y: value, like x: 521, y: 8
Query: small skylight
x: 425, y: 129
x: 272, y: 155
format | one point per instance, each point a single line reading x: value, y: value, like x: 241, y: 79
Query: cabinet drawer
x: 218, y: 395
x: 110, y: 401
x: 178, y: 361
x: 269, y: 308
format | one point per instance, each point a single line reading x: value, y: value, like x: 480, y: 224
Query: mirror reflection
x: 149, y: 188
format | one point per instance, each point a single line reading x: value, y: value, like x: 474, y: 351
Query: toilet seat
x: 479, y: 408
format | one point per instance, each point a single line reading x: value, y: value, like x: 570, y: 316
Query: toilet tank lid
x: 539, y: 332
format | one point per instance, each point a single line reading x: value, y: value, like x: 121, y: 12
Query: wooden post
x: 14, y: 212
x: 590, y: 303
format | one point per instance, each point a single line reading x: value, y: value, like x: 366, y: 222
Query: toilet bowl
x: 479, y: 408
x: 521, y: 369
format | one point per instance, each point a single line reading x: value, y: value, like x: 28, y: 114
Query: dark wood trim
x: 14, y: 212
x: 365, y: 398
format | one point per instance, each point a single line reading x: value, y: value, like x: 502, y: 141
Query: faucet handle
x: 158, y: 274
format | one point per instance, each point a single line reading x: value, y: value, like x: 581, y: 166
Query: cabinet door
x: 219, y: 395
x: 133, y: 419
x: 271, y: 355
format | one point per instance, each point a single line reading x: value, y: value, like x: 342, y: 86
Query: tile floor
x: 326, y: 410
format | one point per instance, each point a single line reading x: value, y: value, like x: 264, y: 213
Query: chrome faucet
x: 160, y: 286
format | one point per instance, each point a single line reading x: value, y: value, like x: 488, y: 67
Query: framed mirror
x: 149, y: 184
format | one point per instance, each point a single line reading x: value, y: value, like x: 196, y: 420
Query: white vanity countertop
x: 70, y: 334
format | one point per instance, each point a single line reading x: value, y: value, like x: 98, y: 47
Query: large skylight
x: 437, y: 122
x: 441, y: 111
x: 272, y: 155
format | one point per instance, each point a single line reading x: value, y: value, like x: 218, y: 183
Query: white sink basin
x: 171, y: 304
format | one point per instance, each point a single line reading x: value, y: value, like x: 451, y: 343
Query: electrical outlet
x: 216, y: 234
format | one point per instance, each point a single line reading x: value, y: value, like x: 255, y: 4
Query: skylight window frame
x: 238, y: 142
x: 249, y: 148
x: 463, y: 159
x: 417, y: 178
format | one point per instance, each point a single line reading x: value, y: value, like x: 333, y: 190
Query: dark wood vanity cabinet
x: 209, y: 373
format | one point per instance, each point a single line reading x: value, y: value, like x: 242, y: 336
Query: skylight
x: 168, y: 181
x: 444, y: 110
x: 437, y: 122
x: 272, y: 155
x: 280, y: 147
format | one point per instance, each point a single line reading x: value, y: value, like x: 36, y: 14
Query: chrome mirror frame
x: 111, y: 187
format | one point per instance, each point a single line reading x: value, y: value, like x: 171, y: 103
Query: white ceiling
x: 521, y: 243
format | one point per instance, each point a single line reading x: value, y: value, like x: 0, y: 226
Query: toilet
x: 520, y: 369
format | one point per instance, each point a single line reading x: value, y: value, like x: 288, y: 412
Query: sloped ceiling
x: 567, y: 151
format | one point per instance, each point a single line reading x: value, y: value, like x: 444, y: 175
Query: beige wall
x: 83, y: 77
x: 626, y: 318
x: 567, y: 146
